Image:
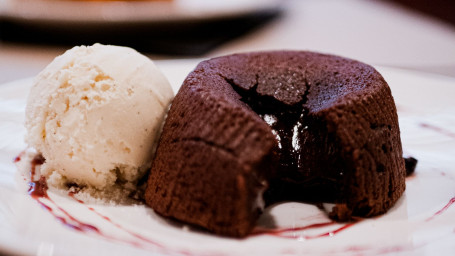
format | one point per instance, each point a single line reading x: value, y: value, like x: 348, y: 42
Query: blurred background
x: 417, y: 35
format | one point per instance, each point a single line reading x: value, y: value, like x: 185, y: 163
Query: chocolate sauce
x: 299, y: 137
x: 284, y: 119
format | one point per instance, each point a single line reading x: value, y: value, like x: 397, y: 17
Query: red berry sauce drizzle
x: 451, y: 201
x: 284, y: 232
x: 450, y: 134
x: 438, y: 129
x: 38, y: 191
x: 106, y: 218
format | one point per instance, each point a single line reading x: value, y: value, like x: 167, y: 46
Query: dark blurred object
x: 442, y: 9
x: 410, y: 164
x: 189, y: 38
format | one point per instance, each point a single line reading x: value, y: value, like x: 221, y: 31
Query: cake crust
x: 305, y: 126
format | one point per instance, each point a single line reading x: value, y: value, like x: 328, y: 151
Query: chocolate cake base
x: 305, y: 126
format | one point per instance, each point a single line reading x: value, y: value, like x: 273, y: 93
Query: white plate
x: 63, y: 12
x: 422, y: 222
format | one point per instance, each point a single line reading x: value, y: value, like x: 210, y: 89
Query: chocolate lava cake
x: 298, y: 126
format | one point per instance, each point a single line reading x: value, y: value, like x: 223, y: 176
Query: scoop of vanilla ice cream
x: 95, y: 114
